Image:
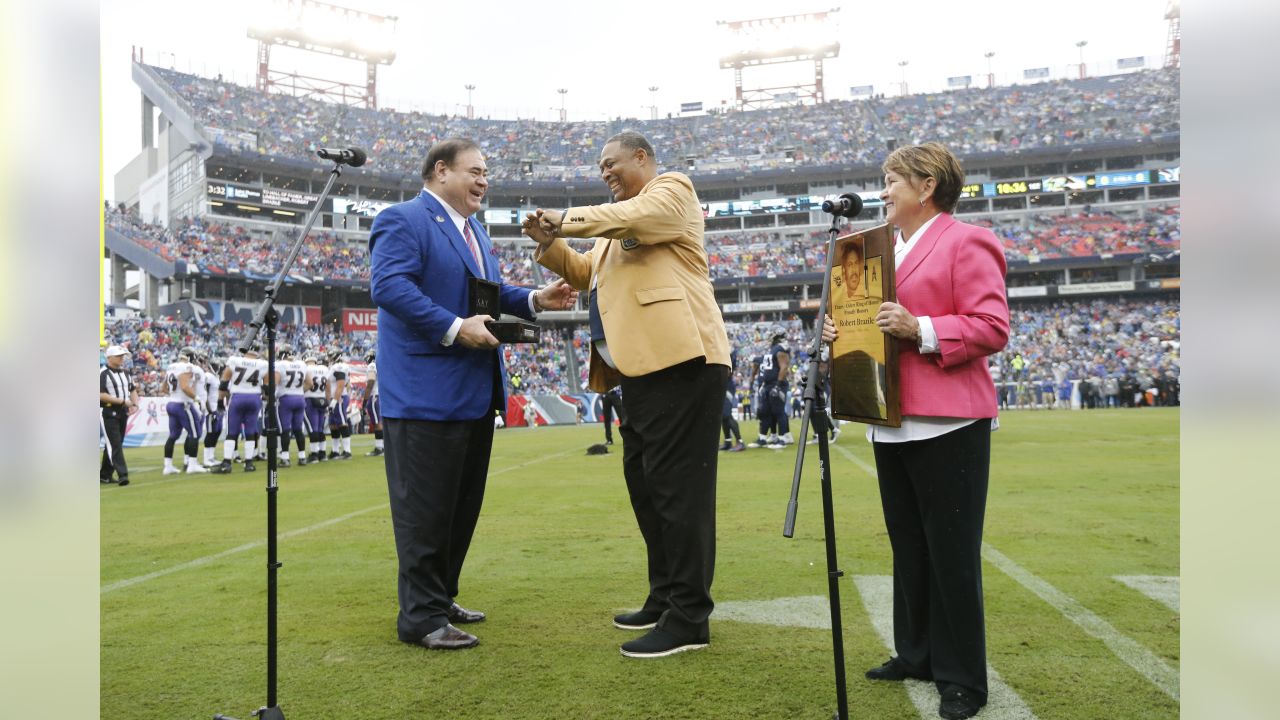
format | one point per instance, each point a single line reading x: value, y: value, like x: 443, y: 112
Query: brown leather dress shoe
x: 462, y: 616
x: 445, y: 638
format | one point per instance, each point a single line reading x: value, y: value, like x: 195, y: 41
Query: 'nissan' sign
x: 354, y: 319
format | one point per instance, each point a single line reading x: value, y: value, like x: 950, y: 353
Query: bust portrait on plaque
x: 864, y: 377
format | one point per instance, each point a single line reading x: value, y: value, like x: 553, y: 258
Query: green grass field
x: 1076, y: 498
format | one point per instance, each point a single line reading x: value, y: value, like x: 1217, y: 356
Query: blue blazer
x: 421, y: 264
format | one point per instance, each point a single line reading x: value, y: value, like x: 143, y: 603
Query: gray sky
x: 607, y: 55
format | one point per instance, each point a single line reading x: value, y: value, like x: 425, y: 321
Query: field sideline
x: 1077, y: 500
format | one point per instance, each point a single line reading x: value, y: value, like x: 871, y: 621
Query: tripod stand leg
x: 833, y: 573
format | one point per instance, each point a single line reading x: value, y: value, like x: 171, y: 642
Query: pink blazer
x: 955, y: 275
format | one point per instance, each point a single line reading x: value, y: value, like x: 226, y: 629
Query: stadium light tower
x: 1173, y: 49
x: 811, y: 37
x: 991, y: 76
x: 563, y: 92
x: 903, y: 64
x: 1081, y: 45
x: 471, y: 110
x: 653, y: 102
x: 329, y: 30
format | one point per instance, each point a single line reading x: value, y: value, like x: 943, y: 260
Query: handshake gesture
x: 542, y: 226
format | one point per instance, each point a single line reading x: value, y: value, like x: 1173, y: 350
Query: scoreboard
x: 1070, y: 183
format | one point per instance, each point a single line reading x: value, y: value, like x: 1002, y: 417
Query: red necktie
x: 475, y: 247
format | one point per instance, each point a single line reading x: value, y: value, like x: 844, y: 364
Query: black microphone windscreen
x: 357, y: 156
x: 855, y: 204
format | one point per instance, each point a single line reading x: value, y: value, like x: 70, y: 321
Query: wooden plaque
x: 864, y: 360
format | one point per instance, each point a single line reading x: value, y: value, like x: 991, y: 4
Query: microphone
x: 847, y: 205
x: 354, y: 157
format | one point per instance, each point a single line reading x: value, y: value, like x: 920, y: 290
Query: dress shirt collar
x: 454, y: 215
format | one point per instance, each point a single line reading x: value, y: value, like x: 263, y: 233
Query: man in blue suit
x: 440, y: 378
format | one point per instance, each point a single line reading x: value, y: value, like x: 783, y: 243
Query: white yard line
x: 1133, y: 654
x: 810, y: 611
x: 1002, y: 702
x: 1163, y: 589
x: 128, y: 582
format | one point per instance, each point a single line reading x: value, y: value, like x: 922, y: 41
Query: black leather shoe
x: 959, y: 703
x: 462, y: 616
x: 249, y: 466
x: 122, y: 481
x: 106, y: 481
x: 640, y: 620
x: 445, y: 638
x: 896, y: 671
x: 660, y: 643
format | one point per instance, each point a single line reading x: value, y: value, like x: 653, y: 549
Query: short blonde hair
x: 930, y: 160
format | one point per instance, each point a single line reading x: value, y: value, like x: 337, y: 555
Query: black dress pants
x: 436, y: 474
x: 114, y: 423
x: 669, y: 460
x: 610, y: 405
x: 934, y: 495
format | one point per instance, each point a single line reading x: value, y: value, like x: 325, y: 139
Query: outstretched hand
x: 559, y: 295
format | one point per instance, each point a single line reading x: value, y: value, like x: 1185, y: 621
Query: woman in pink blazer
x: 951, y: 314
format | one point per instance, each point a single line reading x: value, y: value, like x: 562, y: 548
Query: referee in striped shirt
x: 118, y: 399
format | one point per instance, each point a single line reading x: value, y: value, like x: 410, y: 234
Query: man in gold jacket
x: 656, y: 331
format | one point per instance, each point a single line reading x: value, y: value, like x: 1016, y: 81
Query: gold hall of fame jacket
x: 653, y: 287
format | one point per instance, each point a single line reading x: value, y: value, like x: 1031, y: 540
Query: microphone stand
x: 813, y: 407
x: 267, y: 316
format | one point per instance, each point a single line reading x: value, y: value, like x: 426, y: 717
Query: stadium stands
x: 215, y: 248
x: 1129, y: 108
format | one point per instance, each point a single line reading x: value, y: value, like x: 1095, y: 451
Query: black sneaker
x: 106, y: 481
x: 959, y: 703
x: 639, y: 620
x: 660, y: 643
x: 374, y: 452
x: 249, y: 466
x: 895, y: 671
x: 222, y: 468
x: 313, y: 458
x: 302, y: 460
x: 725, y: 445
x: 283, y: 462
x: 321, y: 456
x: 345, y: 455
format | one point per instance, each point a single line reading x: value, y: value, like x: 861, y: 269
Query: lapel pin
x: 439, y: 219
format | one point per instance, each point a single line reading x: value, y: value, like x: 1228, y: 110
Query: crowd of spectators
x: 210, y: 247
x: 1041, y: 235
x: 1088, y: 233
x: 1131, y: 108
x: 1118, y: 351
